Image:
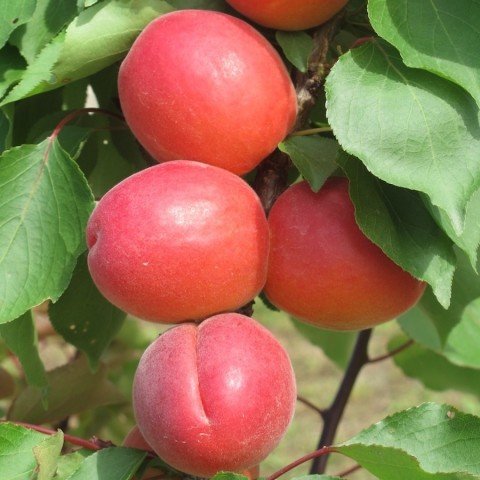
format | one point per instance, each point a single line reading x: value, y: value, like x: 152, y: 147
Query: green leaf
x: 409, y: 127
x: 314, y: 156
x: 21, y: 338
x: 68, y: 464
x: 38, y: 74
x: 455, y: 332
x: 469, y: 240
x: 12, y: 67
x: 421, y: 443
x: 434, y: 370
x: 84, y: 317
x: 49, y: 18
x: 337, y: 346
x: 219, y: 5
x: 398, y: 222
x: 14, y: 13
x: 448, y: 47
x: 101, y: 35
x: 47, y: 454
x: 73, y: 388
x: 115, y: 463
x: 228, y: 476
x: 17, y: 460
x: 43, y: 216
x: 297, y: 47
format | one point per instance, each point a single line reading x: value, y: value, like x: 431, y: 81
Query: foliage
x: 401, y: 121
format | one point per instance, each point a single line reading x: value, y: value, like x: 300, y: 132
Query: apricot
x: 208, y: 87
x: 324, y: 270
x: 288, y: 14
x: 179, y: 241
x: 217, y: 396
x: 134, y: 439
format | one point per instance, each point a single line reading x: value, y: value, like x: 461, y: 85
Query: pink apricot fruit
x: 217, y: 396
x: 324, y: 270
x: 208, y: 87
x: 288, y: 14
x: 179, y: 241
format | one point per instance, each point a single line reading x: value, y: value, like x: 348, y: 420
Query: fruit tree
x: 239, y: 239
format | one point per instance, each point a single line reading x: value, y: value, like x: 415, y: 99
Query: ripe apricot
x: 179, y: 241
x: 288, y: 14
x: 206, y: 86
x: 217, y: 396
x: 324, y: 270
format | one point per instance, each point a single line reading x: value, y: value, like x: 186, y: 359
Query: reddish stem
x: 77, y: 113
x: 80, y: 442
x: 309, y: 404
x: 349, y: 471
x: 72, y: 116
x: 391, y: 354
x: 306, y: 458
x: 360, y: 41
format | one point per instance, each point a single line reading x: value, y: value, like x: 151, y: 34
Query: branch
x: 316, y: 454
x: 308, y: 85
x: 349, y: 471
x: 311, y: 405
x: 272, y: 178
x: 272, y: 174
x: 334, y: 413
x: 391, y: 354
x: 93, y: 445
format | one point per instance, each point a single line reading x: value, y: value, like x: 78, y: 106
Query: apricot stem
x: 322, y: 452
x: 349, y: 471
x: 79, y: 442
x: 310, y: 131
x: 334, y: 413
x: 391, y: 354
x: 311, y: 405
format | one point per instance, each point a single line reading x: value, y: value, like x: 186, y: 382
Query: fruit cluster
x: 187, y: 241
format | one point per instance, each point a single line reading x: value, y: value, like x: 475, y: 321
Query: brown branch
x: 310, y: 405
x: 349, y: 471
x: 391, y: 354
x: 316, y: 454
x: 334, y: 413
x: 308, y: 85
x: 272, y: 178
x: 93, y: 445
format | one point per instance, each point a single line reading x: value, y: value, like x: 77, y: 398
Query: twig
x: 308, y: 85
x: 333, y: 414
x: 79, y: 442
x: 322, y: 452
x: 310, y: 131
x: 391, y: 354
x: 349, y: 471
x: 311, y: 405
x: 272, y: 178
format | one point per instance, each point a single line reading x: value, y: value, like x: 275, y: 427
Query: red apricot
x: 179, y: 241
x: 134, y: 439
x: 217, y: 396
x: 206, y: 86
x: 288, y: 14
x: 324, y: 270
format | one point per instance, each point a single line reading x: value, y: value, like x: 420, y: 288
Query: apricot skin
x: 324, y: 270
x: 134, y: 439
x: 218, y: 396
x: 179, y: 241
x: 288, y: 14
x: 208, y: 87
